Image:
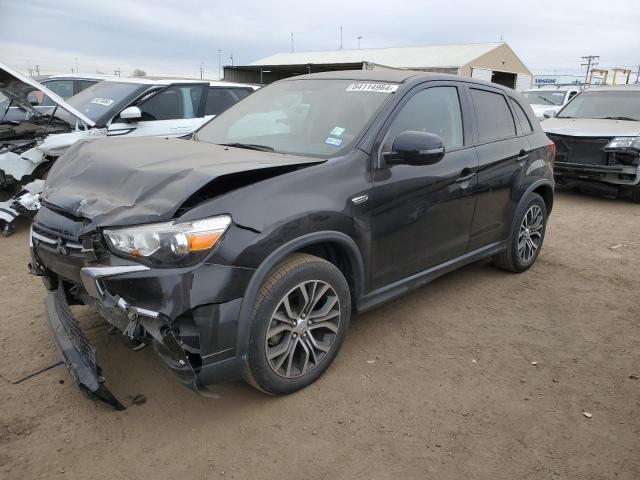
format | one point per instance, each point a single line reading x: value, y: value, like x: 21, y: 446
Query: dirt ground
x: 480, y: 375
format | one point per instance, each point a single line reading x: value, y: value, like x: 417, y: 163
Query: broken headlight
x: 624, y: 145
x: 168, y: 243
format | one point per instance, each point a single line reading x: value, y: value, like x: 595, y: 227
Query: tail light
x: 552, y: 151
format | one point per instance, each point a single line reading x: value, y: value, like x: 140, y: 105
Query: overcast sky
x: 174, y: 37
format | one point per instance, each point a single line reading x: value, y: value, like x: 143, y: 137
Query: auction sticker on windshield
x: 102, y: 101
x: 372, y: 87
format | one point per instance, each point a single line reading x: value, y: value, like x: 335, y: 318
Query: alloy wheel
x: 302, y: 329
x: 530, y: 234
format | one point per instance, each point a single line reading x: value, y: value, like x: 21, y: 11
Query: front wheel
x: 526, y: 237
x: 300, y: 319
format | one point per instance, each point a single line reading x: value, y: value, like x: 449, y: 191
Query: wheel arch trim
x: 355, y: 257
x: 534, y: 186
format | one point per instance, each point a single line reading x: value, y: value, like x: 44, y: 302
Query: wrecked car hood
x: 17, y: 87
x: 591, y: 127
x: 124, y: 181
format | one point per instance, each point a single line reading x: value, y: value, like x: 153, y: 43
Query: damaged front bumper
x: 76, y: 351
x: 190, y: 315
x: 609, y: 177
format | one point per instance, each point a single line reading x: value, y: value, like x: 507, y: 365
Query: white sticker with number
x: 372, y: 87
x: 102, y: 101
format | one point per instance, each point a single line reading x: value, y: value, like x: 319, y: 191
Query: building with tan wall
x: 494, y: 62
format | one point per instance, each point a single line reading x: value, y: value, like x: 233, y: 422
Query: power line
x: 590, y: 59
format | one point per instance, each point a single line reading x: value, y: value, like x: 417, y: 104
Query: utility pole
x: 77, y: 65
x: 592, y: 60
x: 638, y: 75
x: 292, y: 49
x: 201, y: 70
x: 117, y: 71
x: 231, y: 57
x: 340, y: 37
x: 37, y: 69
x: 359, y: 38
x: 219, y: 64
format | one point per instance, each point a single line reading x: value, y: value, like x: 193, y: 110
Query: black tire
x: 295, y: 272
x: 510, y: 259
x: 635, y: 196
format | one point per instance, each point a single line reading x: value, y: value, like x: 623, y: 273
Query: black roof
x: 396, y: 76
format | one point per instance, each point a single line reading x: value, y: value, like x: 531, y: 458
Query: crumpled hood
x: 591, y: 127
x: 124, y: 181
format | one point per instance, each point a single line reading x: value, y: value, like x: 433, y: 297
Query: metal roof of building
x: 397, y: 57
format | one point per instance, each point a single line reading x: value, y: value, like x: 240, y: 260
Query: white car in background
x: 64, y: 85
x: 117, y: 107
x: 549, y: 100
x: 597, y: 138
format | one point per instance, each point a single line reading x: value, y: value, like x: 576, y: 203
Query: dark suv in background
x: 243, y: 253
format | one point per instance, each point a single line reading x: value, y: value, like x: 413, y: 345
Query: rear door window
x: 494, y: 118
x: 221, y: 98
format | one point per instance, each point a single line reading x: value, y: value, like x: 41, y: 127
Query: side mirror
x: 549, y: 114
x: 415, y: 148
x: 131, y: 113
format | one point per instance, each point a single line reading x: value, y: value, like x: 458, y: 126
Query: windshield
x: 545, y: 97
x: 103, y: 100
x: 303, y: 117
x: 613, y: 104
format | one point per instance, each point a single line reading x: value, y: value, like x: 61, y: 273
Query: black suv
x: 243, y: 252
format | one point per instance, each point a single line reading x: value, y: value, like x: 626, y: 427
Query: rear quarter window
x: 494, y: 118
x: 523, y: 119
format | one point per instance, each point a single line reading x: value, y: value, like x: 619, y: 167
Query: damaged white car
x: 122, y: 107
x: 597, y: 138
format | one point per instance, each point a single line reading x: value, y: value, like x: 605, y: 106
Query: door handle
x: 466, y: 179
x: 522, y: 156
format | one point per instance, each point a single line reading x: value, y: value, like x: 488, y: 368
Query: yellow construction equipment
x: 601, y: 72
x: 624, y: 71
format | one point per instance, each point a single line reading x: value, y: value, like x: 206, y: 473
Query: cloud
x: 173, y: 38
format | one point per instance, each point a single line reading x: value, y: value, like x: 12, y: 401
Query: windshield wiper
x: 250, y: 146
x: 619, y: 118
x: 548, y: 101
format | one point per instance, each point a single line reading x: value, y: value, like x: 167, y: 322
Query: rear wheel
x: 526, y: 237
x: 300, y: 319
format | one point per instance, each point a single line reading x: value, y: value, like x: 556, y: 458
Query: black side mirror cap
x: 415, y: 148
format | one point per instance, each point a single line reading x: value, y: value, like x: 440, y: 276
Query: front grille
x: 74, y: 332
x: 581, y: 150
x: 54, y: 237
